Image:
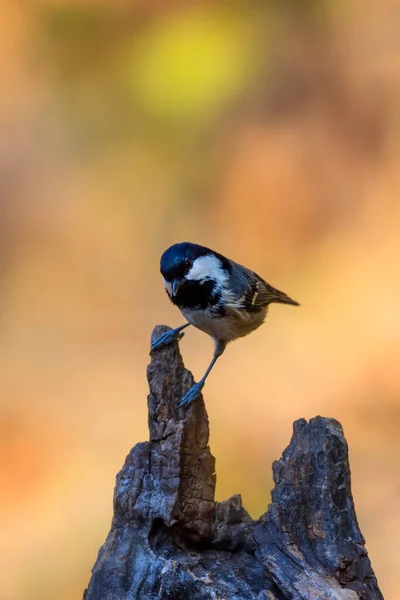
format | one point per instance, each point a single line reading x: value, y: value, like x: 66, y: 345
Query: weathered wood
x: 169, y: 539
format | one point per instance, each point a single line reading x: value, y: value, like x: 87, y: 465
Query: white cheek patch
x: 207, y: 267
x: 168, y: 286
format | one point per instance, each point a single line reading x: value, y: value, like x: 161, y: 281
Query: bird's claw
x: 192, y: 394
x: 167, y: 338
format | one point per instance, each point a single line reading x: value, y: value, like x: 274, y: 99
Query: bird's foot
x: 174, y: 335
x: 192, y: 394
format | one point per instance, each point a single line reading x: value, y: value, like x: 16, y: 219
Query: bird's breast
x: 227, y: 324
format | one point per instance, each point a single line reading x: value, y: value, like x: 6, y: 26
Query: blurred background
x: 268, y: 130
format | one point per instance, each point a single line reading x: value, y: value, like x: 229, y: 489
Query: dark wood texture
x: 169, y: 539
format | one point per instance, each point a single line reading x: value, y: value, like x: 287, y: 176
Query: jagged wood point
x: 170, y: 540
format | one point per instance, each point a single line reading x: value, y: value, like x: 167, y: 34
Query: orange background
x: 269, y: 131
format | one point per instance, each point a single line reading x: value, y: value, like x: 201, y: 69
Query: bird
x: 216, y: 295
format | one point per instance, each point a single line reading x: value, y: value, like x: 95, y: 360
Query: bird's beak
x: 176, y: 284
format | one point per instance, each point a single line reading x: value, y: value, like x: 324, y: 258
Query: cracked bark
x: 169, y: 539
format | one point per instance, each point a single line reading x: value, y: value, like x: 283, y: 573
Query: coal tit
x: 216, y: 295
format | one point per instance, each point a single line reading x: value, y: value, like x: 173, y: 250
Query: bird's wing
x: 256, y: 293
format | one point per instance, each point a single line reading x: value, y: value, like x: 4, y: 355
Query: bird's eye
x: 188, y: 262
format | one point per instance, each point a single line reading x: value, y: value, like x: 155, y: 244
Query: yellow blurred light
x: 190, y: 64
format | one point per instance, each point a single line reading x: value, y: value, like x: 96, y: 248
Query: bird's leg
x: 173, y: 335
x: 195, y: 390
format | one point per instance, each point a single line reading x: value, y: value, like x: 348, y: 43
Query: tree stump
x: 169, y: 539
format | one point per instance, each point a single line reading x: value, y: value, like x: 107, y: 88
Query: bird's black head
x: 177, y: 261
x: 193, y: 275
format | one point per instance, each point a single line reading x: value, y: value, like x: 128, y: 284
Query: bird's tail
x: 281, y: 297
